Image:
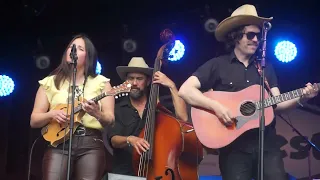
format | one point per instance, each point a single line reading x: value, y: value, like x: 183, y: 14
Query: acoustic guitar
x: 56, y: 133
x: 245, y: 105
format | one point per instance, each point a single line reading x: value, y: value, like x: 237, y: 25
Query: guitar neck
x: 95, y: 99
x: 99, y: 97
x: 283, y: 97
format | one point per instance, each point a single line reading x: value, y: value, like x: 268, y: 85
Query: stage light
x: 177, y: 51
x: 210, y: 25
x: 130, y: 45
x: 98, y: 68
x: 6, y: 85
x: 42, y: 62
x: 285, y: 51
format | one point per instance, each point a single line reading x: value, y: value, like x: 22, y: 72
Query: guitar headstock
x: 120, y: 90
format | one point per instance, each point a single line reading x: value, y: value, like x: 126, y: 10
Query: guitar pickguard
x: 242, y: 120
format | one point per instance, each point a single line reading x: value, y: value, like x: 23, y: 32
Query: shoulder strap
x: 258, y: 66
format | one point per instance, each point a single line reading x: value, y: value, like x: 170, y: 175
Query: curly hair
x: 233, y: 37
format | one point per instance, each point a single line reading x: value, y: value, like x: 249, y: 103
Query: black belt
x: 83, y: 131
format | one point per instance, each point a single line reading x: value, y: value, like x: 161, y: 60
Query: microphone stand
x: 266, y: 27
x: 309, y: 144
x: 74, y: 58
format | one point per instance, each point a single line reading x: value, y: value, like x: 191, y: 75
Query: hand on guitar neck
x: 162, y: 79
x: 92, y: 108
x: 310, y: 91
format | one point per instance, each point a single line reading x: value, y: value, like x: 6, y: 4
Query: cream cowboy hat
x: 243, y: 15
x: 136, y: 65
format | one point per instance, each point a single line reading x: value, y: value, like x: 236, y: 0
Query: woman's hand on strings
x: 139, y: 144
x: 59, y: 115
x: 92, y: 108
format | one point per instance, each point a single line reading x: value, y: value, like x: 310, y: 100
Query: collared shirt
x: 227, y: 73
x: 127, y: 122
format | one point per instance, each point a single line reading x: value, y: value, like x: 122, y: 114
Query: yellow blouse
x: 93, y: 88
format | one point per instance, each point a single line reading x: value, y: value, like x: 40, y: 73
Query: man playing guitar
x: 232, y: 73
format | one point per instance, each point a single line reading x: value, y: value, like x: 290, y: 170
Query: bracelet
x: 299, y: 102
x: 128, y: 141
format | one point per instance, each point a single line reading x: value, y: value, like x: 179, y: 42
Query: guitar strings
x: 152, y: 112
x: 145, y: 158
x: 142, y: 157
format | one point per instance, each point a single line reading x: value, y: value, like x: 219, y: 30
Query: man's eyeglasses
x: 251, y: 35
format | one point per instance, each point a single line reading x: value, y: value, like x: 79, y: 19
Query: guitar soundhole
x: 247, y: 108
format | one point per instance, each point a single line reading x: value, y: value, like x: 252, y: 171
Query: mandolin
x: 56, y: 133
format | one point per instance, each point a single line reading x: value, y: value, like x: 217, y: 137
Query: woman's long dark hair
x: 64, y: 70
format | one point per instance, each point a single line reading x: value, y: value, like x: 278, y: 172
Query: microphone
x: 267, y: 25
x: 73, y: 53
x: 73, y: 49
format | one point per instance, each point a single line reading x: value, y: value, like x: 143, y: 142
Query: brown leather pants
x: 87, y: 161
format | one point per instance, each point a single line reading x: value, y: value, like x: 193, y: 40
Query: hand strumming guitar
x: 224, y: 114
x: 139, y: 144
x: 59, y: 115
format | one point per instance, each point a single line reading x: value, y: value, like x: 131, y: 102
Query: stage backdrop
x: 295, y: 154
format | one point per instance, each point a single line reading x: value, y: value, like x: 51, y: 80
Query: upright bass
x: 175, y: 151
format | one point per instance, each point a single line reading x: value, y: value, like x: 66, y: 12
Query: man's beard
x: 136, y: 94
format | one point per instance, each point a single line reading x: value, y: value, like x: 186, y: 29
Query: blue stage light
x: 177, y: 51
x: 285, y: 51
x: 98, y: 68
x: 6, y: 85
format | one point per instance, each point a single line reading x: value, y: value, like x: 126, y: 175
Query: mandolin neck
x: 95, y: 99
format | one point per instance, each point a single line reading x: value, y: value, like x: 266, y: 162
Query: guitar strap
x: 258, y: 66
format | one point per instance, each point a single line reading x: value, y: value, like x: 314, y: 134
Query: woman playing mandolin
x: 51, y: 107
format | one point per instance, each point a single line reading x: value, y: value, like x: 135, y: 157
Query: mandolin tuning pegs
x: 116, y: 97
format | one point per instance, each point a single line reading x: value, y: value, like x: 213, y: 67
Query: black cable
x: 30, y: 157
